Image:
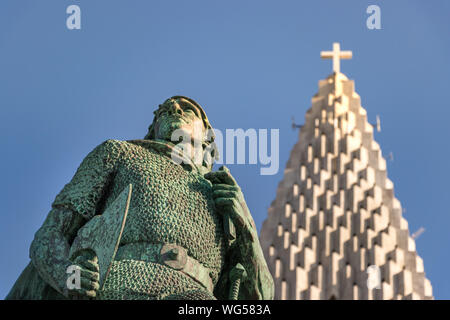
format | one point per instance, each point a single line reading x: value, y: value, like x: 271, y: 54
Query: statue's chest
x: 164, y: 184
x: 170, y: 204
x: 167, y: 198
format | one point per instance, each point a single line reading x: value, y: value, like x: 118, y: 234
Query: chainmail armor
x: 170, y: 203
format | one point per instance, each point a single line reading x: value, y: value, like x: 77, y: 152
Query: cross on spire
x: 336, y: 55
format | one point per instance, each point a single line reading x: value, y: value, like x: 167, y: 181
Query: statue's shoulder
x: 123, y: 148
x: 140, y: 143
x: 112, y: 146
x: 109, y: 151
x: 113, y: 143
x: 154, y: 145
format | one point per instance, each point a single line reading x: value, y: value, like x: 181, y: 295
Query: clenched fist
x: 230, y: 202
x: 89, y: 276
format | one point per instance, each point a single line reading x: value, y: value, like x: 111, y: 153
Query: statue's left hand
x: 229, y: 200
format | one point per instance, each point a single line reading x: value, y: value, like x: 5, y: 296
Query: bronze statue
x: 138, y: 225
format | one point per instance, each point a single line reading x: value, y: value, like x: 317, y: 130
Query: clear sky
x: 250, y: 64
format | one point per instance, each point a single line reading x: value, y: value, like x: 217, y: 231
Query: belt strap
x: 171, y: 255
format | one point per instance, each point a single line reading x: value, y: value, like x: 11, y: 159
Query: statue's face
x: 179, y: 114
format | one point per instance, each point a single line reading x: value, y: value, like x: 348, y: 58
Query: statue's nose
x: 175, y: 108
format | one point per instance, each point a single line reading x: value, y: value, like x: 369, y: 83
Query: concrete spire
x: 335, y: 229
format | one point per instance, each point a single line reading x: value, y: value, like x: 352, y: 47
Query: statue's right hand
x: 89, y: 276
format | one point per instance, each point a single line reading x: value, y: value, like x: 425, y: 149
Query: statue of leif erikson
x: 146, y: 219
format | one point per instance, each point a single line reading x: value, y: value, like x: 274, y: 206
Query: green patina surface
x: 188, y: 232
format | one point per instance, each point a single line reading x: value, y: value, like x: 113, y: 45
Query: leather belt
x: 171, y: 255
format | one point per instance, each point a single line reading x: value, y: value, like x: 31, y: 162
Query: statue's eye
x: 191, y: 109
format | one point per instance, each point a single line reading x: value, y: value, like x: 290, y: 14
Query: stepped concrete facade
x: 335, y: 229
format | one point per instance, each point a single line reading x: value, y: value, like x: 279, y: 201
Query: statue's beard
x: 178, y: 129
x: 170, y: 128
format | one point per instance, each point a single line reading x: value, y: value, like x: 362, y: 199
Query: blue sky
x: 251, y: 64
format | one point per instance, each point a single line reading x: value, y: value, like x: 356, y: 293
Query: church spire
x: 335, y: 229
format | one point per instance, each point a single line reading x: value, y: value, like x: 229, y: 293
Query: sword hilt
x: 237, y: 274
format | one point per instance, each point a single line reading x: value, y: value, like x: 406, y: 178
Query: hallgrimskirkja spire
x: 335, y: 229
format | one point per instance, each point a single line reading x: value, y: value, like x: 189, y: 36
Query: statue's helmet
x: 181, y: 100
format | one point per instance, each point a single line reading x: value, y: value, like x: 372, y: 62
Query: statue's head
x: 181, y: 113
